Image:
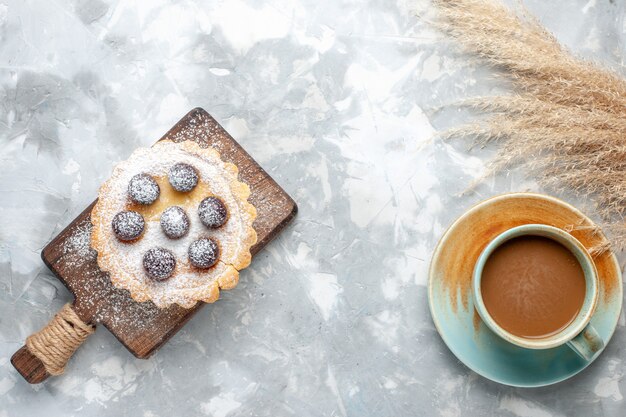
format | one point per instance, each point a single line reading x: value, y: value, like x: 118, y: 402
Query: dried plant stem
x: 566, y: 121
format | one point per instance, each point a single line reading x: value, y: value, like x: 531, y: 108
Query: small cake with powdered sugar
x: 173, y: 224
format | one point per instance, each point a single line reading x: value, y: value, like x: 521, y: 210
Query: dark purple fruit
x: 203, y: 253
x: 183, y: 177
x: 128, y: 225
x: 159, y: 263
x: 212, y: 212
x: 143, y: 189
x: 174, y: 222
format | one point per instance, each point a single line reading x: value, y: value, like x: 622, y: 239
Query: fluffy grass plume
x: 565, y: 122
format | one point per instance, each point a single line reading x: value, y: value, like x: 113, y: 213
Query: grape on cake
x: 173, y: 224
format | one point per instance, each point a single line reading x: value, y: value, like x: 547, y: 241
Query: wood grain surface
x: 142, y: 327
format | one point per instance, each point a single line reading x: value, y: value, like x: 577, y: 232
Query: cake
x: 173, y: 224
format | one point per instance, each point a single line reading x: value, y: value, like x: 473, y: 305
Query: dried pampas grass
x: 566, y: 124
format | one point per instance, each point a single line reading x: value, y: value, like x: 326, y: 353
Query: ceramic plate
x: 450, y: 290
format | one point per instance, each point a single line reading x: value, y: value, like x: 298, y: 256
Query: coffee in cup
x: 533, y: 286
x: 536, y: 286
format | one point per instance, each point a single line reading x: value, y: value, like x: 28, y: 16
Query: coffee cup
x: 578, y: 334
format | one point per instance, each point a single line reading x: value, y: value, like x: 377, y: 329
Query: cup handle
x: 587, y: 344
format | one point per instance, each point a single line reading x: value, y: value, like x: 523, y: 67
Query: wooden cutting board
x: 142, y: 327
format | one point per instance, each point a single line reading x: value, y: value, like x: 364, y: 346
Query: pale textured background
x: 337, y: 100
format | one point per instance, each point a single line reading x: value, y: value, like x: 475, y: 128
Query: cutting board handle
x: 47, y: 351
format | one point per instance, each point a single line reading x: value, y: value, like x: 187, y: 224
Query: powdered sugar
x: 77, y: 249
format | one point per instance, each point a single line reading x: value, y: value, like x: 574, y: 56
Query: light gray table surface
x: 338, y: 101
